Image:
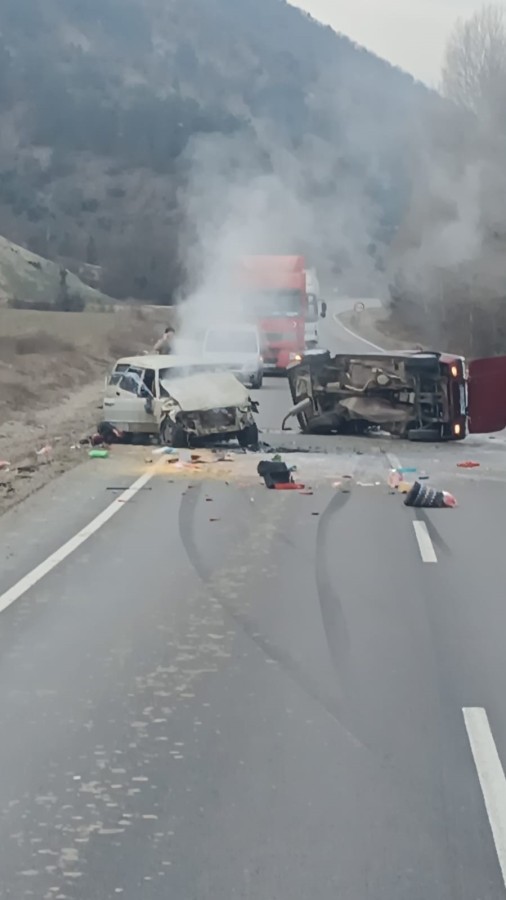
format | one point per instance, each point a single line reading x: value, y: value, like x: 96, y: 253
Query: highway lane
x: 265, y: 705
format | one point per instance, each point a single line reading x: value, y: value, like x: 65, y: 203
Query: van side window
x: 131, y: 381
x: 117, y: 373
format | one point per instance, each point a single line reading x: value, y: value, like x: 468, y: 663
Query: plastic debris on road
x: 45, y: 454
x: 165, y: 451
x: 423, y: 497
x: 98, y: 454
x: 468, y: 464
x: 274, y: 472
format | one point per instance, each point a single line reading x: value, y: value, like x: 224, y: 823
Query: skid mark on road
x: 248, y: 625
x: 334, y: 622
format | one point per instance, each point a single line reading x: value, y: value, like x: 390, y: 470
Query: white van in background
x: 238, y: 349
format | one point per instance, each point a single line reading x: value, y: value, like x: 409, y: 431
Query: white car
x: 179, y: 400
x: 237, y: 348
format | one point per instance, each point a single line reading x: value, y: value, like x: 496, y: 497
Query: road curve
x: 227, y: 692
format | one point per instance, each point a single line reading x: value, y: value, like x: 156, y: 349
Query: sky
x: 409, y: 33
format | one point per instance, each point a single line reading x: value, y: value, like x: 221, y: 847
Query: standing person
x: 165, y: 344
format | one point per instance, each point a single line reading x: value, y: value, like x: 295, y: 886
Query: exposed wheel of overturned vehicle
x: 248, y: 437
x: 424, y: 435
x: 172, y: 434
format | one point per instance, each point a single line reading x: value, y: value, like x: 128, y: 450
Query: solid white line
x: 491, y: 776
x: 356, y: 336
x: 28, y: 581
x: 425, y: 544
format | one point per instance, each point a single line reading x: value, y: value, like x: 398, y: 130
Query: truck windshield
x: 231, y: 342
x: 275, y: 303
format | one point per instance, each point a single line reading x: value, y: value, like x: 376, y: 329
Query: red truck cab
x: 273, y: 295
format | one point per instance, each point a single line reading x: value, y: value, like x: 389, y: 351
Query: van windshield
x: 231, y: 342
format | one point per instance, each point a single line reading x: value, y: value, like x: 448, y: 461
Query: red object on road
x: 468, y: 464
x: 289, y: 486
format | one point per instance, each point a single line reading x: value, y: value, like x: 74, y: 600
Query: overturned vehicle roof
x: 405, y: 394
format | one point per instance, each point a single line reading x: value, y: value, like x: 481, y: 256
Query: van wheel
x: 173, y: 435
x: 248, y: 437
x: 257, y: 382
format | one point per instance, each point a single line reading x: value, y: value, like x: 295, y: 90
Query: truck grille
x: 276, y: 337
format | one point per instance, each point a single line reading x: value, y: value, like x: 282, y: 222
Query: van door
x: 486, y: 395
x: 125, y: 401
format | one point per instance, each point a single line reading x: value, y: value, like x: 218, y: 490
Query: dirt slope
x: 52, y: 367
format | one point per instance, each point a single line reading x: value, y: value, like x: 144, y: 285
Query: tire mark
x: 249, y: 627
x: 332, y: 613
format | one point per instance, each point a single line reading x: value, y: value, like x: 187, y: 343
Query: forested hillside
x: 123, y: 121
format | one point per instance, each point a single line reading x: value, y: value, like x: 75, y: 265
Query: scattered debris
x: 4, y: 465
x: 394, y: 479
x: 126, y: 488
x: 165, y: 451
x: 98, y: 454
x: 45, y: 454
x: 214, y: 520
x: 405, y: 470
x: 287, y: 486
x: 315, y: 513
x: 468, y: 464
x: 424, y: 497
x: 274, y: 472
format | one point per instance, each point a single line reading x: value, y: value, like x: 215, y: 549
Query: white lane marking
x: 29, y: 580
x: 425, y: 544
x: 393, y: 461
x: 491, y: 776
x: 357, y: 337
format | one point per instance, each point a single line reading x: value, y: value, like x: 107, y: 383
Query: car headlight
x: 295, y: 357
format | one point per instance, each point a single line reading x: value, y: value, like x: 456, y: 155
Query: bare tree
x: 474, y: 69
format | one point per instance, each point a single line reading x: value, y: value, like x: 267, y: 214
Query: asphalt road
x: 226, y: 692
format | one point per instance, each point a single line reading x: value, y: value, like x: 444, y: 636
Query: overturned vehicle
x: 421, y: 396
x: 180, y: 401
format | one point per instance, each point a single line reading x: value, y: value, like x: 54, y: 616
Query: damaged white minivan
x: 181, y: 401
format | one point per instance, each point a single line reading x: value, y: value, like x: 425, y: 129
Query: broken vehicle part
x: 423, y: 497
x: 274, y: 472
